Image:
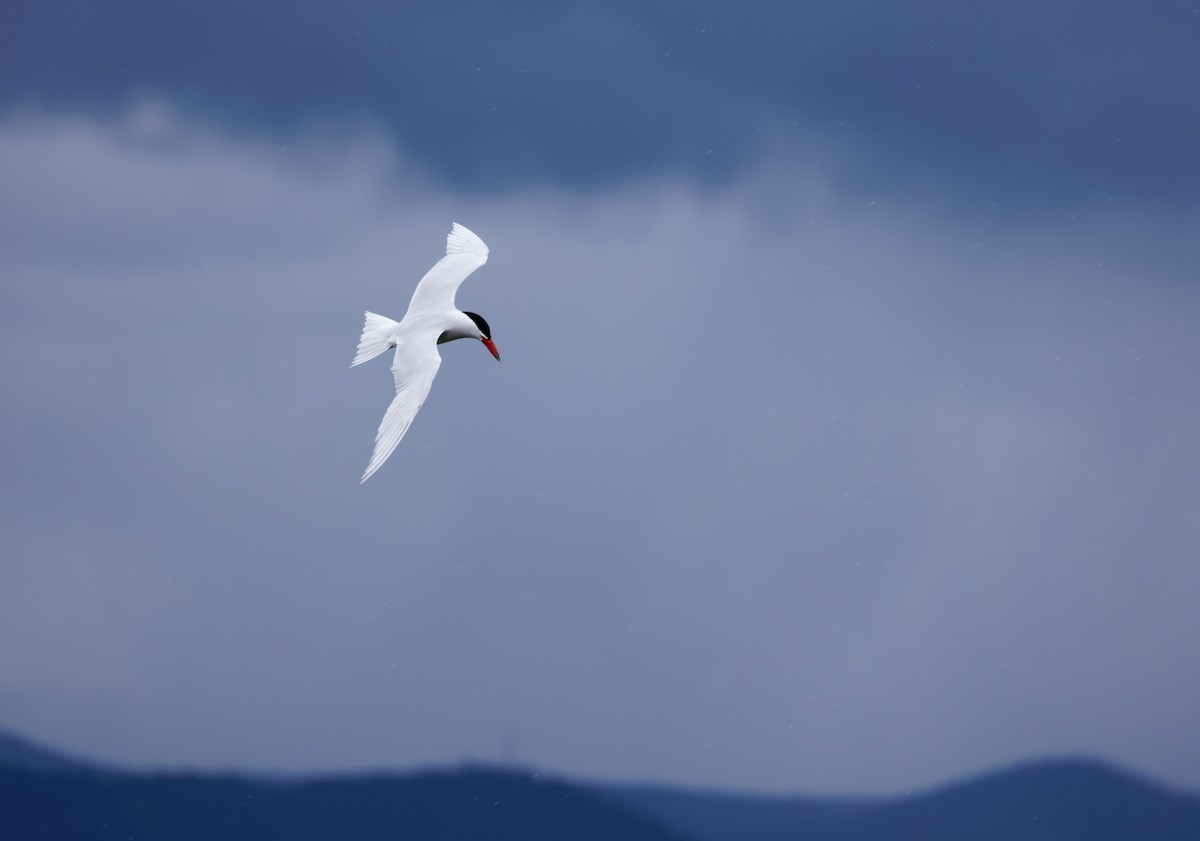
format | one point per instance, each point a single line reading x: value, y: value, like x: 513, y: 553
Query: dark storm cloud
x: 1021, y: 104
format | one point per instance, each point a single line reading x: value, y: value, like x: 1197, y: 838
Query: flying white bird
x: 431, y: 319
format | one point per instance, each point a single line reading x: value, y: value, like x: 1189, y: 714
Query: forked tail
x: 374, y: 340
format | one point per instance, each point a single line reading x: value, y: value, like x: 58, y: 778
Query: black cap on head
x: 481, y: 323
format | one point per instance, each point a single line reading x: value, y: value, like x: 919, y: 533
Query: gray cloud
x: 1030, y: 106
x: 775, y: 488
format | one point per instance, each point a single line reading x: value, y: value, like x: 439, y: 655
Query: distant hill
x: 1072, y: 800
x: 467, y: 805
x: 1052, y: 801
x: 16, y: 752
x: 720, y: 816
x: 45, y: 796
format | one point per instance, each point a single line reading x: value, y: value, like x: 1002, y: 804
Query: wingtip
x: 462, y: 240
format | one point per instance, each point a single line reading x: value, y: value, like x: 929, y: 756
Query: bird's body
x: 432, y: 318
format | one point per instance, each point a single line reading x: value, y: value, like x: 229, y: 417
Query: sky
x: 845, y: 439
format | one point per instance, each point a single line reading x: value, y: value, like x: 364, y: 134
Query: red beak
x: 490, y: 345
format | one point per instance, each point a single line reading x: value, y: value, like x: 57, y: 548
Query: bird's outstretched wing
x: 414, y: 368
x: 465, y: 252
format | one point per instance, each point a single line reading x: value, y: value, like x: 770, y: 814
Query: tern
x: 432, y: 318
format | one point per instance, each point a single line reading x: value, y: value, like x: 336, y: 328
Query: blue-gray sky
x: 845, y: 438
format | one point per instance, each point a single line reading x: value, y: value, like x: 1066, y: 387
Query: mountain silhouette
x: 19, y: 753
x: 1053, y: 801
x: 465, y: 805
x: 47, y: 796
x: 1066, y: 800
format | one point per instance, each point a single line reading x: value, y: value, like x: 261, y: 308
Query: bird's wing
x: 465, y: 252
x: 415, y: 367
